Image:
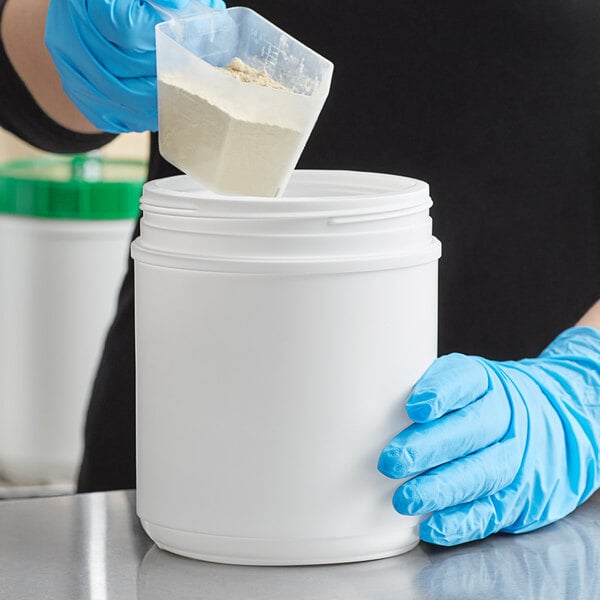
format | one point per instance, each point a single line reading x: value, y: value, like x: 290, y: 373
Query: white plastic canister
x: 65, y: 227
x: 277, y: 340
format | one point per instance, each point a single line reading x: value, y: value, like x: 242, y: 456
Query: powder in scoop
x: 230, y: 153
x: 242, y: 72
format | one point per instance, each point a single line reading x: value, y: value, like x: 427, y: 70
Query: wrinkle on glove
x: 500, y: 446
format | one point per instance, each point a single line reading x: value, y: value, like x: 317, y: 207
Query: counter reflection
x: 559, y: 561
x: 163, y: 576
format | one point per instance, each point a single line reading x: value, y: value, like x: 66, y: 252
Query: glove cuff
x: 575, y: 343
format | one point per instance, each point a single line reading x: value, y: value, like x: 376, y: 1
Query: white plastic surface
x: 265, y: 395
x: 59, y: 281
x: 222, y: 149
x: 327, y: 221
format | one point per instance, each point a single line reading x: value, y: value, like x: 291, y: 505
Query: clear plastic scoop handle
x: 193, y: 8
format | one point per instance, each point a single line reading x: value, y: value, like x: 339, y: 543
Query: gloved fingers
x: 103, y: 57
x: 471, y: 521
x: 113, y: 86
x: 95, y: 55
x: 464, y: 480
x: 130, y: 23
x: 103, y: 116
x: 136, y: 99
x: 125, y: 23
x: 142, y: 105
x: 132, y: 54
x: 137, y: 92
x: 423, y: 446
x: 119, y: 62
x: 451, y: 382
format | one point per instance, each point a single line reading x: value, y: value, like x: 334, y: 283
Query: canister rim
x: 310, y: 193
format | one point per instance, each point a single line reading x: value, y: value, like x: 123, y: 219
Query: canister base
x: 31, y: 471
x: 280, y: 552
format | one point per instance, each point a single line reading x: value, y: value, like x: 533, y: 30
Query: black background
x: 496, y: 104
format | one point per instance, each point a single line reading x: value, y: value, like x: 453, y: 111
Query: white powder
x: 242, y: 72
x: 227, y: 153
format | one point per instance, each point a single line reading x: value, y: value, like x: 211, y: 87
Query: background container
x: 277, y: 340
x: 65, y: 225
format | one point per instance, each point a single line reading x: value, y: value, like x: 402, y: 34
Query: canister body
x: 266, y: 392
x: 60, y: 280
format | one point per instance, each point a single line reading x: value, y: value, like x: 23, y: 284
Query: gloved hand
x: 104, y: 51
x: 500, y: 446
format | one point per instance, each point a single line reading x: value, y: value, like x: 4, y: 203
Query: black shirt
x: 496, y: 104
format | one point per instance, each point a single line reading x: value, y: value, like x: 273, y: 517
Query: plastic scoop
x: 232, y: 136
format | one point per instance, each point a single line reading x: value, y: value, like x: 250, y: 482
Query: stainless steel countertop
x: 91, y: 546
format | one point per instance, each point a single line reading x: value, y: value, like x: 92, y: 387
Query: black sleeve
x: 21, y: 115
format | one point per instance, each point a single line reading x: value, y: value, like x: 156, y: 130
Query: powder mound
x: 238, y: 69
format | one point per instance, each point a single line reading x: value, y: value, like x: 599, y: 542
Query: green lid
x: 72, y: 187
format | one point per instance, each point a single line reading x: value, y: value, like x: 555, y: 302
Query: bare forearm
x: 591, y: 317
x: 22, y: 31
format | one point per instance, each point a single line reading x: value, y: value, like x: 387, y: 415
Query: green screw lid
x: 72, y: 187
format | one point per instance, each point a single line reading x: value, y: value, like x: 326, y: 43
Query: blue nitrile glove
x: 500, y: 446
x: 104, y: 51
